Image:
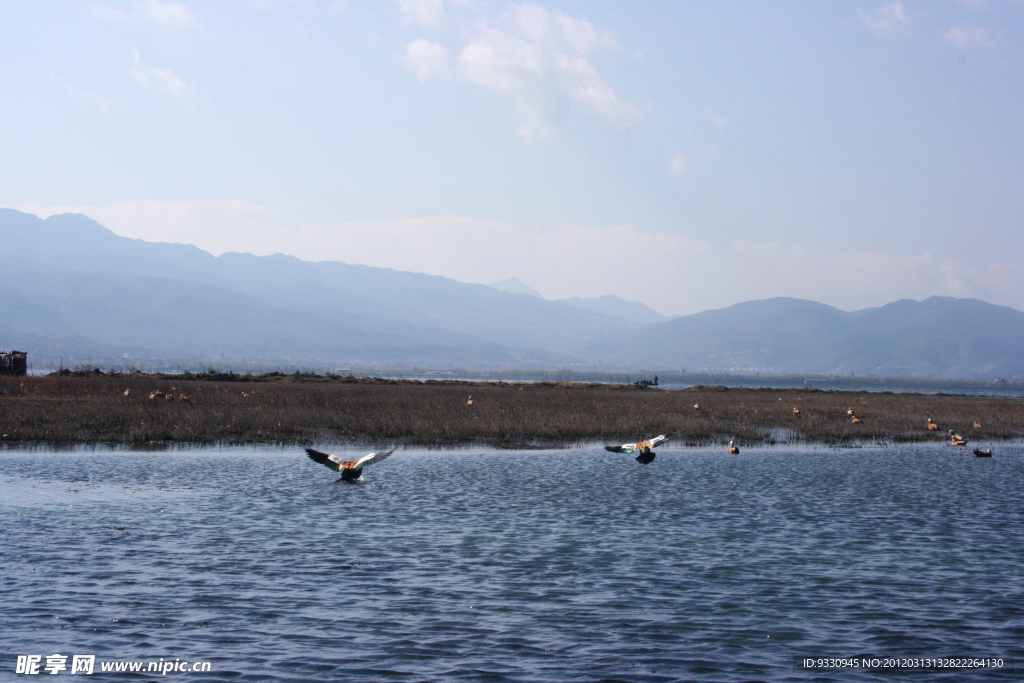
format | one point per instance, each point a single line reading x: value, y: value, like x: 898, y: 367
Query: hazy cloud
x: 426, y: 13
x: 714, y: 118
x: 151, y: 77
x: 169, y: 13
x: 483, y: 251
x: 427, y: 59
x: 532, y: 56
x: 99, y: 101
x: 974, y: 4
x: 969, y: 36
x: 887, y: 20
x: 678, y: 164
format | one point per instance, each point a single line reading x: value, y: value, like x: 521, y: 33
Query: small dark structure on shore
x: 14, y: 363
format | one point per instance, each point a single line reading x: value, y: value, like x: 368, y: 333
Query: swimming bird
x: 931, y: 425
x: 646, y: 456
x: 983, y: 454
x: 732, y: 449
x: 350, y: 469
x: 956, y: 439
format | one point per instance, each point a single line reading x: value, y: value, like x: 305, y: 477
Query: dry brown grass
x: 290, y: 410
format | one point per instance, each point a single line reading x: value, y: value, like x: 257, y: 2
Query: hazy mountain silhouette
x: 67, y: 284
x: 610, y: 304
x: 939, y: 336
x: 514, y: 285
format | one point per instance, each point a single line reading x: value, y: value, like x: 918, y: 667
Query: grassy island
x: 70, y: 408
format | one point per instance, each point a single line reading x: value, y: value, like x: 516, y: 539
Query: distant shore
x: 230, y: 409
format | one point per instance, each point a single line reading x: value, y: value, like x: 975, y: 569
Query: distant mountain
x: 514, y: 285
x: 610, y: 304
x: 408, y: 317
x: 70, y: 287
x: 937, y: 337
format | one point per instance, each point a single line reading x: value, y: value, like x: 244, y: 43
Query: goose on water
x: 646, y: 456
x: 983, y: 454
x: 350, y: 469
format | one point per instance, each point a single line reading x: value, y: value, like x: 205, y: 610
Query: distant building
x: 14, y: 363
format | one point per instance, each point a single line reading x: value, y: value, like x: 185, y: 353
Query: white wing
x: 372, y: 459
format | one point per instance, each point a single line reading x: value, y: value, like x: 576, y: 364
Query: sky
x: 688, y: 155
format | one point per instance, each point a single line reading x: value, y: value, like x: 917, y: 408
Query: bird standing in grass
x: 931, y: 425
x: 856, y: 420
x: 469, y: 401
x: 350, y: 469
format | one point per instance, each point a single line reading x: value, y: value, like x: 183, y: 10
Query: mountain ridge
x: 67, y: 282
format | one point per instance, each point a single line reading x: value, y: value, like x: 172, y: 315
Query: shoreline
x: 91, y: 408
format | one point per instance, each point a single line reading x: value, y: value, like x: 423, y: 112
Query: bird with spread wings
x: 646, y: 454
x: 350, y: 469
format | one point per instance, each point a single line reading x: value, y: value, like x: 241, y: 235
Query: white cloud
x: 534, y: 57
x: 167, y: 13
x: 427, y: 13
x: 887, y: 20
x: 969, y: 36
x: 679, y: 274
x: 678, y: 164
x: 157, y: 79
x: 427, y: 59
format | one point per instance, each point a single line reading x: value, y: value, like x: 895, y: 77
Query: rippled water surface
x: 575, y: 565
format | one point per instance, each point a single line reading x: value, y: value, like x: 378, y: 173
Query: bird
x: 931, y: 425
x: 350, y: 469
x: 796, y: 411
x: 127, y: 392
x: 977, y: 425
x: 696, y: 406
x: 956, y: 439
x: 733, y: 450
x: 469, y: 401
x: 856, y: 420
x: 646, y: 456
x: 983, y: 454
x: 849, y: 411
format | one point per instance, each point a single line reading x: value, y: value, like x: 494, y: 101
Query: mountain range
x: 70, y: 288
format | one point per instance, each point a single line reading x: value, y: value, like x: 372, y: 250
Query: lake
x: 484, y: 565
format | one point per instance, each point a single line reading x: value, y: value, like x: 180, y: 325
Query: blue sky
x: 688, y: 155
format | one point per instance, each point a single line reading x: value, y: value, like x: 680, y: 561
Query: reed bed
x: 91, y: 408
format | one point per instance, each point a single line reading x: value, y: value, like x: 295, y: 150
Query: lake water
x: 479, y: 565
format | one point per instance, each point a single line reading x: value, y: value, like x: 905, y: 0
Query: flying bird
x: 646, y: 456
x: 350, y: 469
